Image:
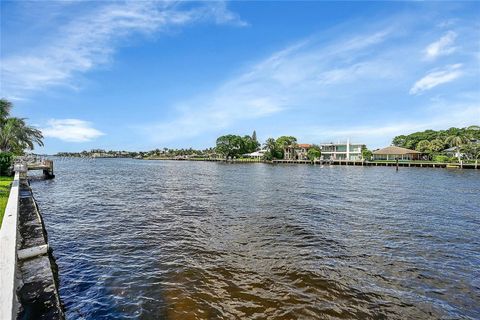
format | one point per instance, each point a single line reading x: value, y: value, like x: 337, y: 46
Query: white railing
x: 8, y: 253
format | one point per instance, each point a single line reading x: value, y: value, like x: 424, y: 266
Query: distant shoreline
x: 376, y: 163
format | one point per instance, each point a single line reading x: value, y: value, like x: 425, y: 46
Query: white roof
x: 258, y: 153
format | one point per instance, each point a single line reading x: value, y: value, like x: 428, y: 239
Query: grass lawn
x: 4, y: 192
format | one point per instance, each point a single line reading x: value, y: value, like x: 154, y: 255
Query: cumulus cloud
x: 71, y: 130
x: 437, y: 77
x: 441, y: 47
x: 91, y: 38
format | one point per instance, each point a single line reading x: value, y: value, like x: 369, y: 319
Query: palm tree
x: 471, y: 151
x: 15, y: 134
x: 271, y: 146
x: 5, y: 107
x: 457, y: 142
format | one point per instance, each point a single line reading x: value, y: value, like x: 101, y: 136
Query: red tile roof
x: 304, y: 145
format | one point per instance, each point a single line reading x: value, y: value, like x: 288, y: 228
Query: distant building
x: 453, y: 152
x: 297, y: 152
x: 392, y: 153
x: 341, y: 151
x: 256, y: 155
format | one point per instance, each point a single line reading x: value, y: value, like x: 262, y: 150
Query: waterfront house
x: 341, y: 151
x: 392, y: 153
x: 297, y: 152
x: 453, y: 152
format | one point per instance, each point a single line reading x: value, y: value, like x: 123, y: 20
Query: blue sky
x: 144, y: 75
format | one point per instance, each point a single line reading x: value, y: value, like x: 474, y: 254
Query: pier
x: 45, y: 165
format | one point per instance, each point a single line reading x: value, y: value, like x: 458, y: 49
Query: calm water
x: 194, y: 240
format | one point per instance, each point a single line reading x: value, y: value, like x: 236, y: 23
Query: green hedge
x: 6, y: 161
x: 441, y: 159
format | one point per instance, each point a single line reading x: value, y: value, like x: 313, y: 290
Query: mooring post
x: 397, y: 163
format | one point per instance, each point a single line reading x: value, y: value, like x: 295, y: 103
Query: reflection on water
x: 191, y: 240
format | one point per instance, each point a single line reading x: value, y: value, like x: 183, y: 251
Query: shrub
x: 6, y: 161
x: 440, y: 158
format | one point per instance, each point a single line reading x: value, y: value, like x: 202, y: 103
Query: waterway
x: 138, y: 239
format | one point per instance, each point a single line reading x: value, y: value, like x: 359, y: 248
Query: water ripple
x: 192, y: 240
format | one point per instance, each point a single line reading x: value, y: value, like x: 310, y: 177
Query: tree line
x: 235, y: 146
x: 433, y: 142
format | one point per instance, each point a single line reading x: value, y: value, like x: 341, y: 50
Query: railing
x: 8, y: 253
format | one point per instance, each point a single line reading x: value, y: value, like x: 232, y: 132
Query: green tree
x: 456, y: 140
x: 464, y: 135
x: 254, y: 136
x: 424, y: 146
x: 271, y: 146
x: 283, y: 142
x: 15, y: 135
x: 399, y: 141
x: 437, y: 145
x: 229, y: 145
x: 313, y: 153
x: 470, y: 151
x: 366, y: 154
x: 5, y: 107
x: 249, y: 145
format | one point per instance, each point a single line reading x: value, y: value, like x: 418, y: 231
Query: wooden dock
x: 413, y: 164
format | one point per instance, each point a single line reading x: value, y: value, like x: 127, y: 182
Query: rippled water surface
x: 140, y: 239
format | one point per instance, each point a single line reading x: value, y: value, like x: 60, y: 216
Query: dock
x: 45, y: 165
x: 379, y: 163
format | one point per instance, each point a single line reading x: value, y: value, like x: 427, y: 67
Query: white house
x: 341, y: 151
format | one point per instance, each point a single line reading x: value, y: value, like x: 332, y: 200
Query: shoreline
x: 377, y: 163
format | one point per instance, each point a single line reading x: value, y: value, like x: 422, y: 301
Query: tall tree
x: 465, y: 134
x: 249, y: 145
x: 254, y: 136
x: 366, y: 154
x: 5, y: 107
x: 229, y: 145
x: 15, y: 135
x: 284, y: 141
x: 424, y: 146
x: 456, y: 140
x: 437, y: 145
x: 314, y: 153
x: 271, y: 146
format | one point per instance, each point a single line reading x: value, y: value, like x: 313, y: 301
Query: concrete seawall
x: 35, y: 278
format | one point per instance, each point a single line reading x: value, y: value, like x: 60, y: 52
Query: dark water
x: 194, y: 240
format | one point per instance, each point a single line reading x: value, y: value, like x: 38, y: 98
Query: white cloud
x: 295, y: 75
x: 89, y: 40
x: 441, y: 47
x: 437, y: 77
x: 71, y: 130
